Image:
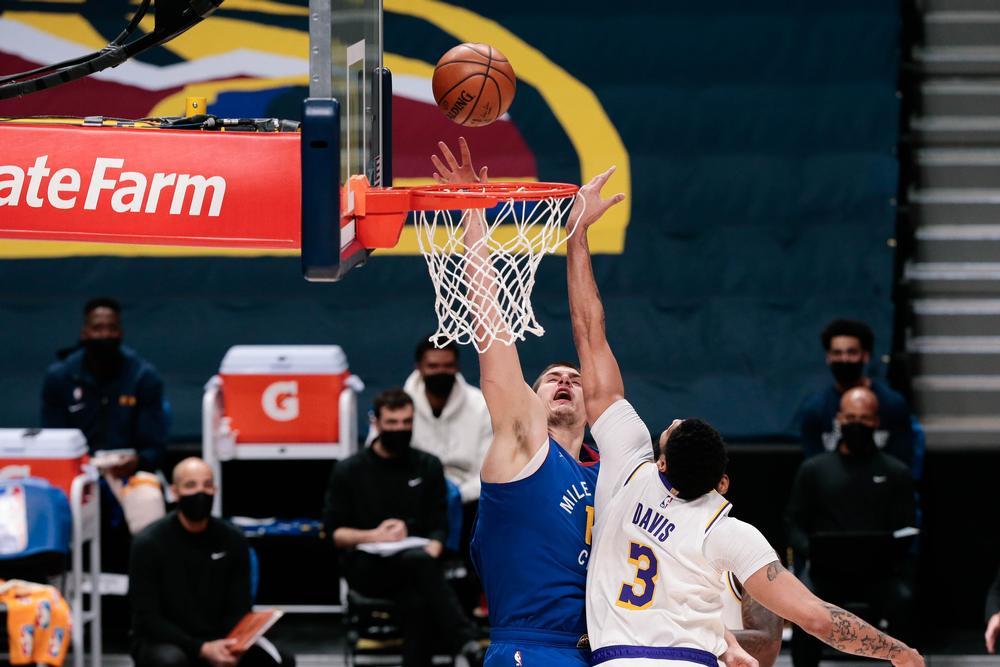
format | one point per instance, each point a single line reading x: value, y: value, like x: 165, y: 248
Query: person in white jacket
x: 451, y: 420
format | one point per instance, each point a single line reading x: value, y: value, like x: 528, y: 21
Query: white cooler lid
x: 284, y: 360
x: 46, y: 443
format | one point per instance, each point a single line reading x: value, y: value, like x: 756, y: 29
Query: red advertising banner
x: 164, y: 187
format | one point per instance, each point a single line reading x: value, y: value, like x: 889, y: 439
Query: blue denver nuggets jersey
x: 531, y: 546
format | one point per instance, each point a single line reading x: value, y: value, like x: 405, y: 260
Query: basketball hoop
x: 483, y: 243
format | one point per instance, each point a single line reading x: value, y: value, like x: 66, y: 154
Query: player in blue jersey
x: 532, y: 535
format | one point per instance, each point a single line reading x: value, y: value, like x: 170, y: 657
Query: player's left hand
x: 589, y: 205
x: 735, y: 656
x: 451, y: 171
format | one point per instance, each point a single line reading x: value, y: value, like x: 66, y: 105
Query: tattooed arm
x: 761, y: 633
x: 778, y: 590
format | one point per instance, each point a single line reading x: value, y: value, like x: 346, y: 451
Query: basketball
x: 474, y: 84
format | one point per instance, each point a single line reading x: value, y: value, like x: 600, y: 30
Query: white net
x: 483, y: 265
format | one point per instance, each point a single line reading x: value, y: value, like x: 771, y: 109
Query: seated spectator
x: 993, y: 615
x: 116, y: 399
x: 451, y: 422
x: 386, y: 493
x: 859, y: 493
x: 189, y: 583
x: 848, y: 345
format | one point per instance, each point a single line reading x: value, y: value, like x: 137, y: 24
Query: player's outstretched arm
x: 778, y: 590
x: 519, y: 421
x: 602, y: 379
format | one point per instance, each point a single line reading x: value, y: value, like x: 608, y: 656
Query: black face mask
x: 197, y: 506
x: 103, y: 354
x: 858, y: 438
x: 440, y: 384
x: 847, y: 373
x: 395, y: 442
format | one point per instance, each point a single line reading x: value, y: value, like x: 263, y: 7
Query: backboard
x: 346, y: 129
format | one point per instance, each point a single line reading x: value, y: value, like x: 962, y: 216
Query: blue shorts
x: 514, y: 654
x: 526, y: 648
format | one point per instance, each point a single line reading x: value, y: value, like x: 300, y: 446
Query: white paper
x: 393, y: 548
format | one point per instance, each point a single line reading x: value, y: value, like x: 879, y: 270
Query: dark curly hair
x: 852, y: 328
x: 696, y: 458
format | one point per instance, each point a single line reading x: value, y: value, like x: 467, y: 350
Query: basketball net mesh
x: 483, y: 270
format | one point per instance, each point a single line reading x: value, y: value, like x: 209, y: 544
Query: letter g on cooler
x: 280, y: 401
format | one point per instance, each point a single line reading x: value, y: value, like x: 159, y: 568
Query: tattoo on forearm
x: 850, y: 634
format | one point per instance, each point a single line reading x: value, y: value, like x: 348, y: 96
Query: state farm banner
x: 166, y: 187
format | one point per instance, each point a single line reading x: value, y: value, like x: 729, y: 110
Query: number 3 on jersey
x: 639, y: 594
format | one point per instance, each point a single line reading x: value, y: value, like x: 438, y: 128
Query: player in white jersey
x: 662, y: 535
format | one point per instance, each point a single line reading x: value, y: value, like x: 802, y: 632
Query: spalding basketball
x: 474, y: 84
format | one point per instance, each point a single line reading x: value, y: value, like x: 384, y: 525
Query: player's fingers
x: 602, y: 178
x: 463, y: 150
x: 441, y: 169
x: 449, y: 157
x: 438, y: 178
x: 482, y: 175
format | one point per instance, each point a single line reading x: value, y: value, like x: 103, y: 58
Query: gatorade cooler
x: 285, y: 394
x: 54, y: 454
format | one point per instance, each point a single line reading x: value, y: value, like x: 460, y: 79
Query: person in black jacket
x: 855, y: 490
x: 379, y: 497
x: 189, y: 583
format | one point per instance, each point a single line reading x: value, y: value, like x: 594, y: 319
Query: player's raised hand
x: 451, y: 170
x: 590, y: 205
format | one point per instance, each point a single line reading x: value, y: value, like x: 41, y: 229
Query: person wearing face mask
x: 386, y: 493
x: 451, y: 421
x: 856, y: 489
x: 450, y: 417
x: 107, y: 391
x: 848, y: 345
x: 189, y: 584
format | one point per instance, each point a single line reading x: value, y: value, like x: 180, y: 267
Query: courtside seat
x: 373, y: 635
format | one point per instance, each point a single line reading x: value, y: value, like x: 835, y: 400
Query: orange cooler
x: 284, y: 393
x: 55, y: 454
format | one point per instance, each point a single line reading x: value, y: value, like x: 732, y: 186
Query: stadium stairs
x: 953, y: 272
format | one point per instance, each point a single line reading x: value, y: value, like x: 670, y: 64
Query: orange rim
x: 448, y: 196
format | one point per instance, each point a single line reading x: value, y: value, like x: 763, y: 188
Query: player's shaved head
x: 190, y: 467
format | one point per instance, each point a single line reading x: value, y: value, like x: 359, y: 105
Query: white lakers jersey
x: 654, y: 591
x: 649, y: 582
